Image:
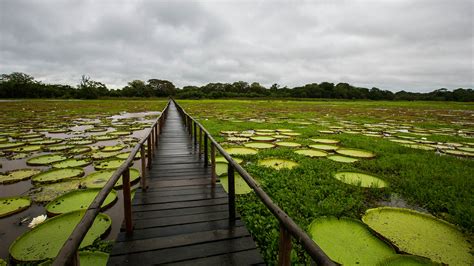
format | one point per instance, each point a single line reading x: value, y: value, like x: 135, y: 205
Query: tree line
x: 20, y: 85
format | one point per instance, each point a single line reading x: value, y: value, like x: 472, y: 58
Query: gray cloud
x: 395, y: 44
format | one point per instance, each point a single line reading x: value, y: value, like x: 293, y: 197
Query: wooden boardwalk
x: 181, y: 219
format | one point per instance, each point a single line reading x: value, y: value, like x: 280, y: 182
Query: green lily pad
x: 105, y: 137
x: 117, y: 147
x: 262, y: 138
x: 459, y: 153
x: 221, y: 168
x: 467, y: 149
x: 241, y: 186
x: 9, y: 145
x: 46, y: 141
x: 99, y: 178
x: 100, y: 155
x: 421, y: 234
x: 79, y: 150
x: 324, y: 147
x: 46, y: 159
x: 45, y: 240
x: 361, y: 180
x: 109, y: 164
x: 13, y: 205
x: 18, y: 175
x: 349, y: 242
x: 312, y: 153
x: 292, y: 134
x: 356, y: 153
x: 342, y: 159
x: 2, y: 262
x: 326, y: 141
x: 57, y: 175
x: 26, y: 148
x: 223, y: 160
x: 59, y: 147
x: 78, y: 200
x: 120, y: 133
x: 45, y: 193
x: 81, y: 142
x: 73, y: 162
x: 288, y: 144
x: 241, y: 151
x: 402, y: 141
x: 419, y: 147
x: 407, y: 260
x: 124, y: 156
x: 259, y: 145
x: 277, y: 163
x: 237, y: 139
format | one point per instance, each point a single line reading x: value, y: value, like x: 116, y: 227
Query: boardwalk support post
x: 200, y: 142
x: 213, y: 164
x: 127, y: 201
x: 195, y: 134
x: 231, y: 195
x: 149, y: 148
x: 284, y: 250
x: 143, y: 160
x: 206, y: 156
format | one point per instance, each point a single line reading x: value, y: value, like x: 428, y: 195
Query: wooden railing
x: 68, y: 254
x: 288, y: 228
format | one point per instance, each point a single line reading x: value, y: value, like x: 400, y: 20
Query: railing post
x: 231, y: 195
x: 195, y: 133
x: 284, y: 249
x: 200, y: 142
x: 206, y: 156
x: 149, y: 147
x: 127, y: 201
x: 157, y: 133
x: 143, y: 160
x: 213, y: 164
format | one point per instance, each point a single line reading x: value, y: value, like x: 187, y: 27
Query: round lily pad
x: 292, y: 134
x: 361, y: 180
x: 419, y: 147
x: 222, y: 159
x: 59, y: 147
x: 241, y: 186
x: 78, y: 200
x: 342, y: 159
x: 120, y: 133
x: 109, y: 164
x: 99, y: 178
x: 259, y: 145
x: 403, y: 141
x: 57, y: 175
x: 46, y: 159
x: 237, y: 139
x: 459, y: 153
x: 45, y: 240
x: 46, y: 141
x: 348, y: 241
x: 81, y: 142
x: 9, y: 145
x: 105, y: 137
x: 288, y: 144
x: 18, y: 175
x: 421, y: 234
x: 221, y: 168
x: 124, y: 156
x: 326, y: 141
x: 118, y: 147
x: 262, y: 138
x: 277, y: 163
x: 103, y: 155
x: 79, y: 150
x: 467, y: 149
x: 241, y: 151
x: 356, y: 153
x: 13, y: 205
x: 48, y: 192
x: 312, y: 153
x: 73, y: 162
x: 26, y: 148
x: 324, y: 147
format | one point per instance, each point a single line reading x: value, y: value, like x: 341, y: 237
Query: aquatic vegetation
x: 11, y: 205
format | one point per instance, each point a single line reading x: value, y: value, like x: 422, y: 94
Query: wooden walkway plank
x: 182, y: 219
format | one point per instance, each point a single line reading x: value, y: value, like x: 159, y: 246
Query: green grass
x: 442, y: 185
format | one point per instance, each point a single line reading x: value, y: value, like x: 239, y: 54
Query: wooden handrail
x: 287, y: 225
x: 67, y: 255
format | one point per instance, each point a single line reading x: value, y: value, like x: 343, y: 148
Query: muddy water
x: 12, y: 226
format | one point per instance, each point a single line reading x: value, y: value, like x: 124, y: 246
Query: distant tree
x: 161, y: 88
x: 90, y: 89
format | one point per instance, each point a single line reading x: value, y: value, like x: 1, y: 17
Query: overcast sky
x: 412, y: 45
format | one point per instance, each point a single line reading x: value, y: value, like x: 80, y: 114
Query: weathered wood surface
x: 181, y: 218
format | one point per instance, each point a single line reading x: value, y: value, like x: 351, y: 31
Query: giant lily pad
x: 277, y: 163
x: 355, y: 153
x: 105, y: 137
x: 324, y: 147
x: 26, y: 148
x: 73, y: 162
x: 78, y: 200
x: 312, y: 153
x: 117, y: 147
x: 13, y: 205
x: 79, y: 150
x: 221, y: 168
x: 241, y: 151
x: 59, y: 147
x: 407, y: 260
x: 288, y: 144
x: 259, y: 145
x: 342, y: 159
x: 361, y: 180
x: 348, y: 242
x: 109, y: 164
x: 421, y: 234
x: 9, y: 145
x: 262, y: 138
x: 48, y: 192
x: 241, y: 186
x: 223, y: 160
x: 103, y: 155
x: 99, y: 178
x: 124, y: 156
x: 46, y: 239
x: 326, y: 141
x: 46, y: 159
x: 18, y: 175
x: 57, y: 175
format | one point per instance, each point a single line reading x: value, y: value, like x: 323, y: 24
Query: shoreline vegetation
x: 23, y: 86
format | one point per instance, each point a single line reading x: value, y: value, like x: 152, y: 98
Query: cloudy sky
x: 414, y: 45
